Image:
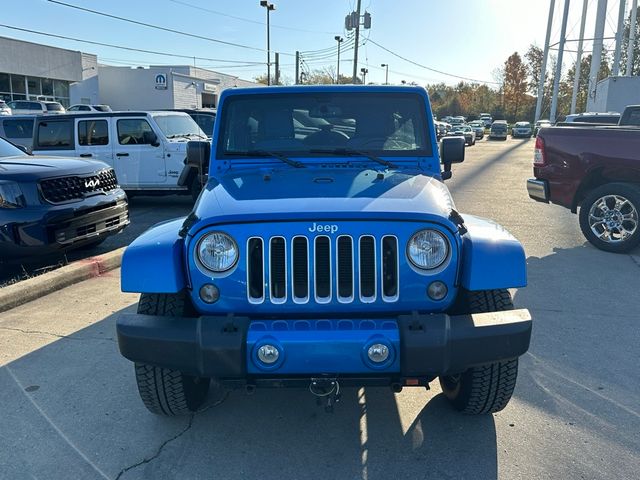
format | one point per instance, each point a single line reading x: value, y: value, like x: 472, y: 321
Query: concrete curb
x: 33, y: 288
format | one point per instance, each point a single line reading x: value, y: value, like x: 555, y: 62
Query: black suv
x: 52, y: 204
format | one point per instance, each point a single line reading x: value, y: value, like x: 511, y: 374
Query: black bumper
x: 430, y: 344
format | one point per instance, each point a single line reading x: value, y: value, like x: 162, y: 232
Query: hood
x: 30, y: 168
x: 302, y: 194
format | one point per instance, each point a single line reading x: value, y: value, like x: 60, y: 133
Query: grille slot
x: 389, y: 267
x: 255, y: 270
x: 300, y: 265
x: 345, y: 268
x: 278, y: 270
x: 323, y: 269
x: 367, y: 269
x: 66, y: 189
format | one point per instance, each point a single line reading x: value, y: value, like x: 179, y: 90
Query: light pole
x: 269, y: 7
x: 338, y: 39
x: 364, y: 72
x: 386, y: 73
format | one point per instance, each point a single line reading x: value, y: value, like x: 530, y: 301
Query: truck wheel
x: 486, y: 388
x: 162, y: 390
x: 609, y: 217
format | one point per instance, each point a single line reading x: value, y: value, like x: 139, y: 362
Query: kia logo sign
x: 161, y: 81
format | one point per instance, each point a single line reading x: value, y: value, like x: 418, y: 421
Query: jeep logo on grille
x: 92, y: 183
x: 323, y: 228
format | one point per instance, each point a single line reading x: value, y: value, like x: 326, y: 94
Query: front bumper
x: 421, y: 345
x: 538, y: 190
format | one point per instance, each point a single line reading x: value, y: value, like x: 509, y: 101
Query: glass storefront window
x: 47, y: 86
x: 33, y: 85
x: 5, y: 86
x: 60, y: 88
x: 17, y: 84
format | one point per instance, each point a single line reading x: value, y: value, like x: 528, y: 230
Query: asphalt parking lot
x: 71, y: 410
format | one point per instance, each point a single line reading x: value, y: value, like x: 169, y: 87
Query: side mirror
x: 198, y: 153
x: 451, y: 151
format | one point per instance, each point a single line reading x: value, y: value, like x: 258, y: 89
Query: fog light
x: 268, y: 354
x: 209, y: 293
x: 437, y: 290
x: 378, y: 353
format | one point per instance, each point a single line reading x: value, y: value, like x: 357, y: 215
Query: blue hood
x: 303, y: 194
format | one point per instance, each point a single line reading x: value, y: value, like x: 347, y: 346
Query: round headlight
x: 428, y: 249
x: 217, y: 252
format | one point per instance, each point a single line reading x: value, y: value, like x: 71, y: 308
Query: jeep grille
x: 322, y: 269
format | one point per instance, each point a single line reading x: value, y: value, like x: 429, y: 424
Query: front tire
x: 486, y: 388
x: 165, y: 391
x: 609, y: 217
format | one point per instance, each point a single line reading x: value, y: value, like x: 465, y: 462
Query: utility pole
x: 277, y: 68
x: 543, y: 68
x: 355, y: 49
x: 269, y: 7
x: 386, y: 73
x: 298, y: 65
x: 615, y: 71
x: 596, y: 56
x: 632, y: 36
x: 578, y: 72
x: 556, y: 79
x: 338, y: 39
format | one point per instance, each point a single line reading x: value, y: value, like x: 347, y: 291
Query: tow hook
x: 327, y: 391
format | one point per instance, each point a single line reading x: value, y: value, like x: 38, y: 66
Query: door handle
x: 122, y: 154
x: 84, y: 155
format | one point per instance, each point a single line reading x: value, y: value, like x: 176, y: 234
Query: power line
x: 429, y: 68
x: 249, y: 20
x: 122, y: 47
x: 164, y: 29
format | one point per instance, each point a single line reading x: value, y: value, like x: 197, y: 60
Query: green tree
x: 635, y: 62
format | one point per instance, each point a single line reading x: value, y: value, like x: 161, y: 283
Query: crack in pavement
x: 635, y: 260
x: 57, y: 335
x: 160, y: 448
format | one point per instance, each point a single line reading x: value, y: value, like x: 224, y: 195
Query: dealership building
x: 32, y: 71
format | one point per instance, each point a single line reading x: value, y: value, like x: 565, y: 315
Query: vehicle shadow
x: 75, y: 405
x: 584, y: 347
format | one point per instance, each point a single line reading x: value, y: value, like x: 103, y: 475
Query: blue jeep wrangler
x: 325, y: 251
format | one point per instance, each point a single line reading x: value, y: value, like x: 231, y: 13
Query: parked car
x: 499, y: 129
x: 18, y: 129
x: 610, y: 118
x: 89, y: 108
x: 595, y: 170
x: 146, y: 149
x: 521, y: 130
x: 478, y: 127
x: 49, y: 205
x: 325, y: 261
x: 4, y: 108
x: 540, y: 124
x: 30, y: 107
x: 487, y: 119
x: 630, y: 117
x: 455, y: 121
x: 466, y: 131
x: 441, y: 129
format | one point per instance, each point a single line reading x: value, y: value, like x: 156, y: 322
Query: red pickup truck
x: 595, y: 170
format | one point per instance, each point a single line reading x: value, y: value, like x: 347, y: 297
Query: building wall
x: 125, y: 88
x: 615, y: 93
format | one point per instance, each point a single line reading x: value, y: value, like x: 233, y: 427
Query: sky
x: 462, y: 38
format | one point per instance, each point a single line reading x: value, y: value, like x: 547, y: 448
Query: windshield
x: 8, y: 150
x: 102, y: 108
x: 54, y: 107
x: 178, y: 126
x: 325, y: 123
x: 523, y: 124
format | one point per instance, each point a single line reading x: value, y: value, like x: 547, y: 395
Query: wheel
x: 474, y: 142
x: 165, y: 391
x: 485, y: 388
x: 609, y: 217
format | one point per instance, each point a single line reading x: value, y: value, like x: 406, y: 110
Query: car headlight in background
x: 11, y: 196
x: 217, y: 252
x: 428, y: 249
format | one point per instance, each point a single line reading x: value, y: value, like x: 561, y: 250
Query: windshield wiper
x: 185, y: 135
x: 264, y: 153
x: 350, y: 153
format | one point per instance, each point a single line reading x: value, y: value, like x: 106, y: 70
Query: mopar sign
x: 161, y: 81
